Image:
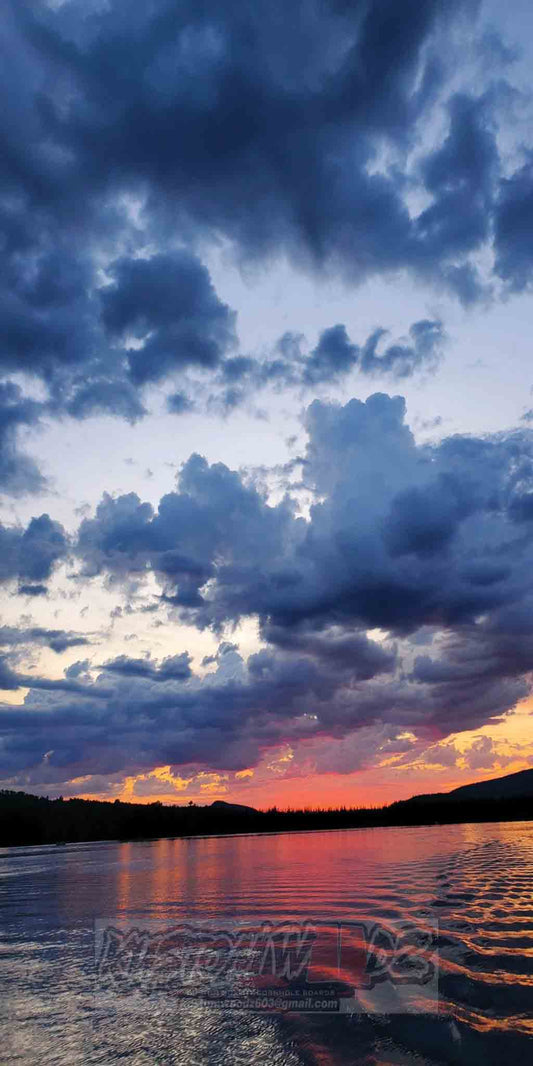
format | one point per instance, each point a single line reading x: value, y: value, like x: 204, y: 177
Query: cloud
x: 59, y: 640
x: 514, y: 228
x: 173, y: 668
x: 359, y: 750
x: 335, y: 720
x: 67, y: 685
x: 481, y: 755
x: 345, y: 144
x: 187, y: 125
x: 223, y: 721
x: 168, y: 303
x: 212, y: 511
x: 8, y: 679
x: 163, y: 317
x: 222, y: 125
x: 31, y: 554
x: 136, y: 140
x: 19, y: 473
x: 333, y: 358
x: 32, y: 590
x: 395, y: 519
x: 103, y: 396
x: 441, y: 755
x: 355, y: 654
x: 401, y: 604
x: 461, y: 176
x: 179, y: 404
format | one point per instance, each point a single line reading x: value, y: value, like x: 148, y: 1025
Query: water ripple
x: 474, y: 883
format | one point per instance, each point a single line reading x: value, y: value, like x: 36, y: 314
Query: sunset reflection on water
x: 473, y: 882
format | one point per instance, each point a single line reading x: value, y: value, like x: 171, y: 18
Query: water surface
x: 475, y: 881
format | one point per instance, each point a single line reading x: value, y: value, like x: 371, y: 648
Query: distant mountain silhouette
x: 232, y: 808
x: 512, y: 786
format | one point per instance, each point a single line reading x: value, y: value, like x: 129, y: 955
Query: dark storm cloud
x: 226, y: 123
x: 223, y: 722
x: 153, y: 317
x: 461, y: 177
x: 59, y: 685
x: 105, y: 396
x: 59, y: 640
x: 405, y: 535
x: 168, y: 299
x: 31, y: 554
x: 11, y: 679
x: 228, y: 721
x: 45, y: 310
x: 216, y: 121
x: 334, y: 357
x: 521, y: 507
x: 401, y: 360
x: 134, y: 138
x: 76, y: 335
x: 174, y: 668
x: 424, y: 521
x: 8, y: 679
x: 213, y: 511
x: 32, y: 590
x: 514, y: 228
x: 408, y: 539
x: 418, y: 542
x: 354, y: 653
x: 18, y: 473
x: 131, y: 142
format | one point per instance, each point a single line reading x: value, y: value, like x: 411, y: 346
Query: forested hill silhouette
x: 229, y: 808
x: 509, y: 787
x: 28, y: 819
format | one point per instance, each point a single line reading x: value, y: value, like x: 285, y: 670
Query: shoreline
x: 266, y: 833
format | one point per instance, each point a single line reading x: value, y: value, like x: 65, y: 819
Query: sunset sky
x: 266, y: 398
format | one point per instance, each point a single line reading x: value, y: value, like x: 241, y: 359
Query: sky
x: 266, y: 405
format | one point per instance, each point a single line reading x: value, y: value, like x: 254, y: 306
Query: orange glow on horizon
x: 275, y: 781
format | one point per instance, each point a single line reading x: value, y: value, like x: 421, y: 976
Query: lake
x: 368, y: 946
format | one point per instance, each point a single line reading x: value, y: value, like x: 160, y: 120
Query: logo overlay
x: 259, y: 965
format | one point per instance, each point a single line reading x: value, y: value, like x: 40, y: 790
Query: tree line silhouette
x: 27, y: 819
